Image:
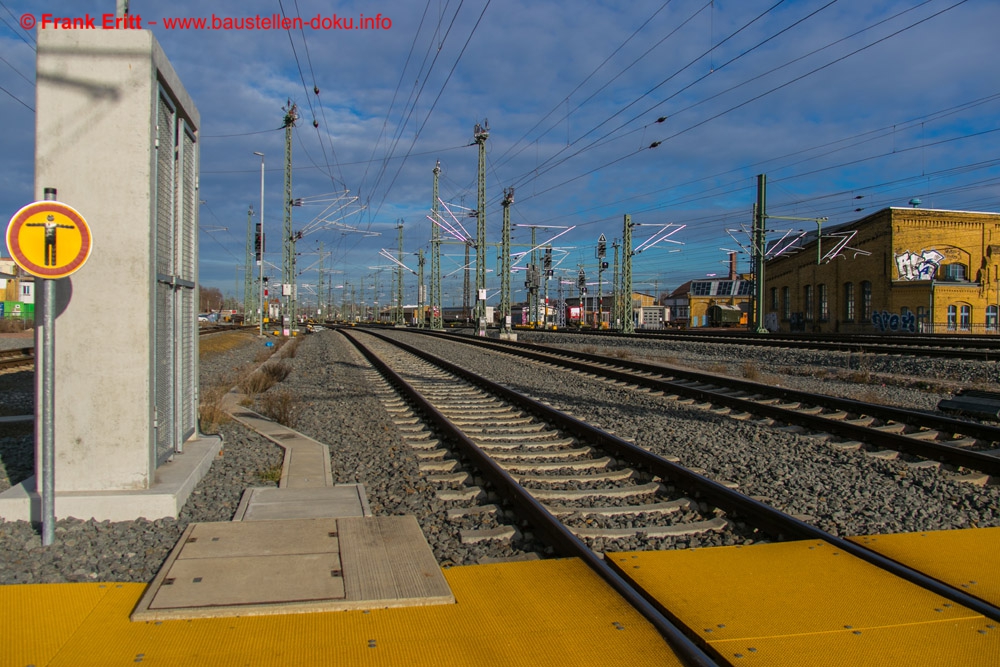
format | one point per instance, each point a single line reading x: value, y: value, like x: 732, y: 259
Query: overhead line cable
x: 322, y: 111
x: 412, y: 107
x: 903, y: 125
x: 689, y: 64
x: 18, y: 99
x: 601, y: 140
x: 15, y: 31
x: 436, y: 99
x: 501, y: 159
x: 755, y: 98
x: 395, y: 93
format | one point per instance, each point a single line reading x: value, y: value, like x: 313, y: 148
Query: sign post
x: 32, y: 237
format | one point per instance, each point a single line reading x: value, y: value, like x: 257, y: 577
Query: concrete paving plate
x: 266, y: 503
x: 295, y: 566
x: 214, y: 582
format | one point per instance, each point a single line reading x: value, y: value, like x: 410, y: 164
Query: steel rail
x: 977, y: 350
x: 770, y: 519
x: 560, y: 537
x: 24, y: 356
x: 927, y: 449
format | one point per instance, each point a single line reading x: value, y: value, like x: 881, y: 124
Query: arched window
x: 774, y: 299
x: 954, y: 272
x: 807, y: 297
x: 787, y: 303
x: 991, y: 318
x: 824, y: 303
x: 952, y: 318
x: 849, y: 302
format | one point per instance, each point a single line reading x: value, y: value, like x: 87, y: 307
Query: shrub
x: 289, y: 350
x: 255, y: 383
x: 280, y: 406
x: 277, y: 371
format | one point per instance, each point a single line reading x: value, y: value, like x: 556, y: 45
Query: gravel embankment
x: 333, y: 398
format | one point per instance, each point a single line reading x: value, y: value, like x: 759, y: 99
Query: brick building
x: 899, y: 270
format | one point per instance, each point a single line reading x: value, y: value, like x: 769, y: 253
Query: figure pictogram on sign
x: 50, y: 226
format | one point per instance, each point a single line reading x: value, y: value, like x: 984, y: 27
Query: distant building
x: 692, y: 302
x: 899, y: 270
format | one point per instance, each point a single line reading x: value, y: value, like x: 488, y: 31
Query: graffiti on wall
x: 924, y: 266
x: 894, y: 322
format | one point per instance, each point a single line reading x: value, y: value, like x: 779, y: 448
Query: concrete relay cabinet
x: 117, y: 136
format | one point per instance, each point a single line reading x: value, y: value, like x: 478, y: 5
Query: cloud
x: 379, y: 137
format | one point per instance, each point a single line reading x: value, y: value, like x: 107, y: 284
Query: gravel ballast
x: 333, y: 399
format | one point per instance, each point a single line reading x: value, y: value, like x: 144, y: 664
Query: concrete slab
x: 173, y: 483
x: 295, y: 566
x: 307, y: 461
x: 264, y: 503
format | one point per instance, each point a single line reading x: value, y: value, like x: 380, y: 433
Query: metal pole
x: 47, y: 490
x: 261, y: 262
x: 759, y: 236
x: 248, y: 271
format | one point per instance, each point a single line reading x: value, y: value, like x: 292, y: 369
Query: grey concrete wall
x: 95, y: 124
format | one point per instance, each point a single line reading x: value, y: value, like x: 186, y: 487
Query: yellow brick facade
x: 906, y: 270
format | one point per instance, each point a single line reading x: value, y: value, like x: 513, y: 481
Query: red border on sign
x: 22, y: 216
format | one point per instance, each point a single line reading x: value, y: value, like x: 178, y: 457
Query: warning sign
x: 49, y: 239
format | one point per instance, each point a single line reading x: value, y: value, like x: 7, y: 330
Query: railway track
x: 24, y: 358
x: 947, y: 346
x: 17, y: 359
x: 881, y: 430
x: 559, y: 472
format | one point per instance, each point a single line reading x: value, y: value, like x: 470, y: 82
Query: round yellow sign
x: 49, y: 239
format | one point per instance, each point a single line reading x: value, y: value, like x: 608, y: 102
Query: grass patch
x: 14, y: 324
x: 255, y: 383
x: 750, y: 371
x: 860, y: 367
x: 280, y: 406
x: 718, y: 369
x: 290, y: 349
x: 272, y: 474
x: 210, y: 411
x: 222, y: 342
x: 623, y: 353
x: 276, y: 370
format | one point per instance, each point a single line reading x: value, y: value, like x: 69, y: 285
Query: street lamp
x: 260, y: 261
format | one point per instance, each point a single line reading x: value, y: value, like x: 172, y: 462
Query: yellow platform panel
x: 551, y: 613
x: 774, y: 604
x: 966, y: 559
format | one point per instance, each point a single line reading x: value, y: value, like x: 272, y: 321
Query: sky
x: 666, y: 111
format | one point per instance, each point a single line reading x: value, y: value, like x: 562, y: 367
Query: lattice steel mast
x: 508, y: 199
x: 397, y: 311
x: 625, y: 308
x: 288, y: 263
x: 482, y: 133
x: 437, y: 307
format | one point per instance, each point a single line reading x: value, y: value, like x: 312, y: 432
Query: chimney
x: 732, y: 266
